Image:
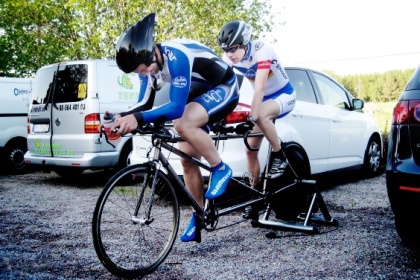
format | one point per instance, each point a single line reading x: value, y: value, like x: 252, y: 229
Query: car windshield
x: 414, y: 82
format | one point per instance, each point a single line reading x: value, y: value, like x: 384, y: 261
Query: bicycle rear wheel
x: 135, y: 224
x: 289, y: 203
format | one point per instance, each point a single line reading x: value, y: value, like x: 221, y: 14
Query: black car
x: 403, y: 162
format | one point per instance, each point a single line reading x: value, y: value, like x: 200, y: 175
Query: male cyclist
x: 203, y: 91
x: 274, y: 96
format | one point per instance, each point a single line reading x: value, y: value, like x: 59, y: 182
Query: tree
x: 377, y: 87
x: 35, y: 33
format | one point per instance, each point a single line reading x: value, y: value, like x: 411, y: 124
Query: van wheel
x: 14, y: 153
x: 125, y: 155
x: 69, y: 172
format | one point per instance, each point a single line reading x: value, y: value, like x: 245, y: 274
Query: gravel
x: 45, y: 233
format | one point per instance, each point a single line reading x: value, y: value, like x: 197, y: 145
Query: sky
x: 348, y: 36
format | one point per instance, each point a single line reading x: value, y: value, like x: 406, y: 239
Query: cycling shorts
x: 220, y: 101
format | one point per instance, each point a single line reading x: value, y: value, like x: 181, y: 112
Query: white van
x: 68, y: 102
x: 14, y: 103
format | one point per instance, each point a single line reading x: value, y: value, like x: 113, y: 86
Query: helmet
x: 234, y: 33
x: 135, y: 46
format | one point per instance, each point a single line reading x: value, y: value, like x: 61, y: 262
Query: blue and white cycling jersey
x: 193, y: 70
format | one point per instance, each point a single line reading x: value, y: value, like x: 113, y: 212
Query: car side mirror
x: 358, y: 104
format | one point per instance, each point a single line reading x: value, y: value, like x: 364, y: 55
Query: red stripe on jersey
x: 265, y: 64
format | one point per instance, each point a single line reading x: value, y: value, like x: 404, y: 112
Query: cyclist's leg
x: 269, y: 110
x: 207, y: 108
x: 135, y: 224
x: 198, y: 143
x: 253, y: 163
x: 254, y: 170
x: 274, y: 108
x: 285, y: 103
x: 191, y: 172
x: 195, y: 184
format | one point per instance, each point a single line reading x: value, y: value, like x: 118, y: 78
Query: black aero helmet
x: 135, y: 46
x: 234, y: 33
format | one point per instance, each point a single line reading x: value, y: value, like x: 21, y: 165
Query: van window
x: 43, y: 86
x: 69, y: 84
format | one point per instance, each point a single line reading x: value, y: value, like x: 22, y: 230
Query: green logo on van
x: 45, y: 149
x: 125, y: 82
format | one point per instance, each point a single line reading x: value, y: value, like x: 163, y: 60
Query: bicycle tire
x: 288, y: 204
x: 128, y: 247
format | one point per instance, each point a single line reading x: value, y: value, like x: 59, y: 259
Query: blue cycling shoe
x: 192, y: 232
x: 221, y: 175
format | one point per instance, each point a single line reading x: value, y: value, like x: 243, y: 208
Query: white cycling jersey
x: 261, y: 55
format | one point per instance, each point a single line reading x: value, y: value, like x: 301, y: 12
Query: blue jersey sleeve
x: 179, y: 66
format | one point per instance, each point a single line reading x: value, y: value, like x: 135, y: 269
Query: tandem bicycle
x: 136, y: 217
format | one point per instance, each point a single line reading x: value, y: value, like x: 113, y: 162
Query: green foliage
x: 377, y: 87
x: 34, y: 33
x: 31, y: 33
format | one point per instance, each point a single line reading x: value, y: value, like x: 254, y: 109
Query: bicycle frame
x: 162, y: 143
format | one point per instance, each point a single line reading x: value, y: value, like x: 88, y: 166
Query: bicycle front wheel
x: 135, y: 221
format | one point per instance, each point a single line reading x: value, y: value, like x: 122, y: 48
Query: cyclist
x: 203, y: 91
x: 274, y: 96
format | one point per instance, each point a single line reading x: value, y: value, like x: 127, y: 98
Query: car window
x: 414, y: 82
x: 302, y: 85
x: 331, y: 93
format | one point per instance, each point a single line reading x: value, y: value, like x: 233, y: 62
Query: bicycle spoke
x: 133, y: 228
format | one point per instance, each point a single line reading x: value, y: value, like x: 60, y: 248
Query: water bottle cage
x: 106, y: 137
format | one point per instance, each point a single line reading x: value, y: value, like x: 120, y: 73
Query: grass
x: 382, y: 113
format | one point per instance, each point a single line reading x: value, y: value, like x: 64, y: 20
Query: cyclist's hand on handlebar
x: 124, y: 125
x: 244, y: 127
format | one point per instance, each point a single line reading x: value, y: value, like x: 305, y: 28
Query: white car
x: 327, y: 125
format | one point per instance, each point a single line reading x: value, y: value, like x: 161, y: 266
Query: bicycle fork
x: 146, y: 219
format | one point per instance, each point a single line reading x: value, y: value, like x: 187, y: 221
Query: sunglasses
x: 231, y: 49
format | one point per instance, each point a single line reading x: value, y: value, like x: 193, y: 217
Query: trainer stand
x: 301, y: 223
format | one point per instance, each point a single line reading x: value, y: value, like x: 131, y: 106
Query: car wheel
x: 14, y: 154
x: 373, y: 156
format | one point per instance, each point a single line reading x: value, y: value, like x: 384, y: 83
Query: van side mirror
x: 358, y: 104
